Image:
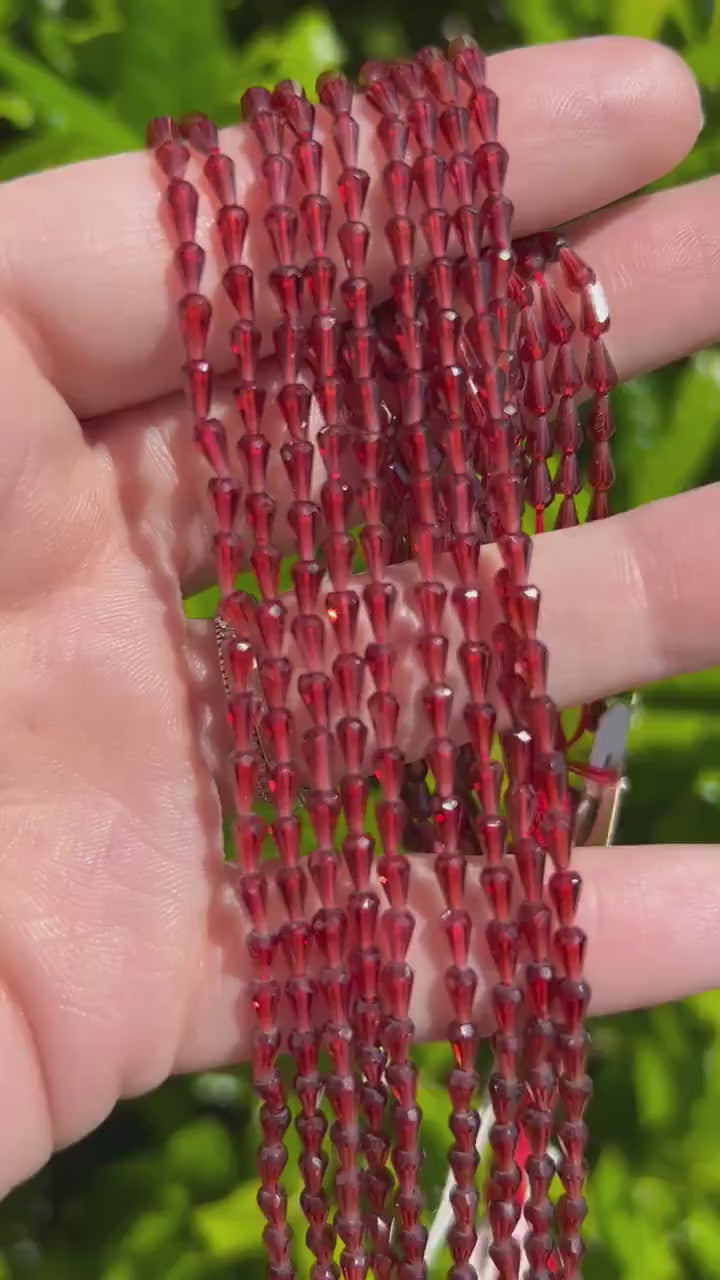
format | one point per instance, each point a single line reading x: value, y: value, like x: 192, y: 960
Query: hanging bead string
x: 293, y: 399
x: 297, y: 453
x: 323, y: 799
x: 396, y: 977
x: 343, y: 604
x: 446, y: 385
x: 565, y: 384
x: 380, y: 598
x: 416, y: 441
x: 488, y: 398
x: 570, y: 941
x: 528, y: 749
x: 534, y: 732
x: 348, y: 672
x: 194, y: 313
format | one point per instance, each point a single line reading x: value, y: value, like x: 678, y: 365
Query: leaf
x: 66, y: 108
x: 172, y: 59
x: 540, y: 22
x: 644, y: 17
x: 231, y: 1229
x: 704, y: 57
x: 203, y: 605
x: 704, y: 1239
x: 308, y: 45
x: 157, y: 1228
x: 677, y: 458
x: 45, y: 151
x: 201, y: 1156
x: 655, y: 1085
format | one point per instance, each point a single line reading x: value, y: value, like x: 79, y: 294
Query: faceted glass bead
x: 491, y: 162
x: 289, y: 96
x: 267, y: 125
x: 194, y: 313
x: 199, y: 131
x: 469, y: 61
x: 225, y: 500
x: 379, y: 88
x: 600, y: 372
x: 393, y: 133
x: 282, y: 226
x: 335, y: 92
x: 238, y: 283
x: 199, y: 385
x: 353, y: 186
x: 211, y: 439
x: 232, y: 223
x: 173, y: 158
x: 440, y: 74
x: 484, y: 106
x: 161, y: 130
x: 190, y: 259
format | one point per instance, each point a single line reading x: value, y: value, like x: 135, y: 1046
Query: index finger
x: 84, y: 256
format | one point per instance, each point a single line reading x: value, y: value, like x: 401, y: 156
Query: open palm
x: 121, y: 954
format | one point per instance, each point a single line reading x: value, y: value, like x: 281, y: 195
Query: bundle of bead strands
x: 447, y: 412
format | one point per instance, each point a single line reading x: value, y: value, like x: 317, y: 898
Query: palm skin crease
x: 121, y: 952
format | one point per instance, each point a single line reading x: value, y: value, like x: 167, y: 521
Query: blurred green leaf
x: 202, y: 1157
x: 307, y: 46
x: 704, y: 1239
x: 63, y: 106
x: 172, y: 59
x: 690, y: 437
x: 231, y: 1228
x: 645, y: 17
x: 656, y: 1085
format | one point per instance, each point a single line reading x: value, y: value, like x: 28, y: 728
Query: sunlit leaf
x: 703, y: 1239
x: 677, y: 458
x: 229, y: 1227
x: 643, y: 17
x: 307, y: 46
x: 63, y: 106
x: 656, y: 1085
x: 173, y: 58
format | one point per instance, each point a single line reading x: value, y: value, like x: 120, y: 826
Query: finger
x: 85, y: 255
x: 625, y: 601
x: 652, y: 916
x: 658, y: 259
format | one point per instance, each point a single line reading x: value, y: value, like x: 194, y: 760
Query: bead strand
x: 343, y: 605
x: 402, y: 364
x: 396, y: 978
x: 450, y: 865
x: 348, y: 671
x: 248, y: 830
x: 490, y: 333
x: 294, y: 402
x: 489, y: 408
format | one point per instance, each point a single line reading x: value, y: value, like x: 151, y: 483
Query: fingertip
x: 657, y: 84
x: 604, y: 115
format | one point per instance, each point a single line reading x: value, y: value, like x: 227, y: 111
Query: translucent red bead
x: 418, y: 416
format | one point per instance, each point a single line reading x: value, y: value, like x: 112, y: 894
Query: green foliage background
x: 165, y: 1190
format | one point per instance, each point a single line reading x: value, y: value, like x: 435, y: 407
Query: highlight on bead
x: 446, y: 385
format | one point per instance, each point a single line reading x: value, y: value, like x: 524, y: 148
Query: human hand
x: 121, y: 956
